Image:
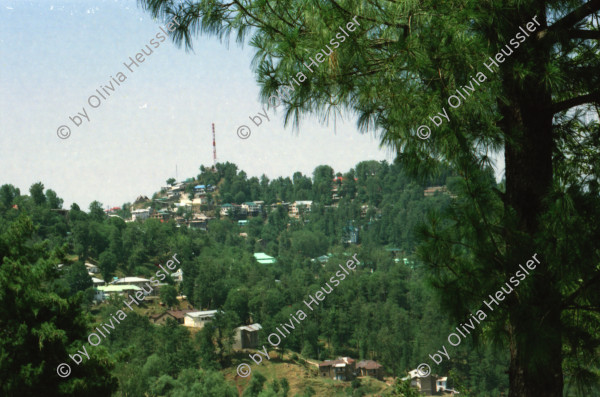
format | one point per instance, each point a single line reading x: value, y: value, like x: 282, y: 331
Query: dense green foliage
x: 535, y: 101
x: 384, y: 311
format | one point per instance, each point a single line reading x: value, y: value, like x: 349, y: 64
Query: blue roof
x: 199, y: 187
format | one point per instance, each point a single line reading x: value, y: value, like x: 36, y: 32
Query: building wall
x: 245, y: 340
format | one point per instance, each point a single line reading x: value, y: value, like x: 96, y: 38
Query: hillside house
x: 246, y: 336
x: 322, y: 258
x: 228, y: 209
x: 341, y: 369
x: 263, y: 258
x: 425, y: 384
x: 198, y: 319
x: 91, y: 268
x: 161, y: 215
x: 200, y: 199
x: 138, y: 281
x: 252, y: 207
x: 161, y: 318
x: 370, y: 368
x: 177, y: 315
x: 141, y: 214
x: 300, y: 207
x: 103, y: 292
x: 177, y: 276
x: 441, y: 386
x: 431, y: 191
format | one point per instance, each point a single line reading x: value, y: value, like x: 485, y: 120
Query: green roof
x: 118, y: 288
x: 261, y: 257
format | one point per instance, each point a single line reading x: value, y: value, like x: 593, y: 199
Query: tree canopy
x: 398, y: 68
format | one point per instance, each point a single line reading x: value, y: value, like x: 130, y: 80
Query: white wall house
x: 141, y: 214
x: 198, y: 319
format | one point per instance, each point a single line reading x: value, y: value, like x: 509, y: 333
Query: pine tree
x: 39, y: 327
x: 395, y: 70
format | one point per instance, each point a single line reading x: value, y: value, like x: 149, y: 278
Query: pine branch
x: 577, y: 15
x: 584, y: 34
x: 279, y: 16
x: 396, y: 25
x: 568, y: 302
x: 262, y: 23
x: 593, y: 97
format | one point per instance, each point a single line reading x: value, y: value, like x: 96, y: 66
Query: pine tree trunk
x: 534, y: 321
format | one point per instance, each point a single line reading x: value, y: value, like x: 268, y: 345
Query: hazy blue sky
x: 55, y: 54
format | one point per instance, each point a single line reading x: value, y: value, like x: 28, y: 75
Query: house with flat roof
x: 252, y: 207
x: 141, y: 214
x: 198, y: 319
x: 263, y: 258
x: 137, y: 281
x: 104, y: 291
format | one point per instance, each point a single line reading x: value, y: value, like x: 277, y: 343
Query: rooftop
x: 126, y: 280
x: 339, y: 362
x: 261, y: 257
x: 118, y: 288
x: 250, y: 328
x: 368, y: 364
x: 202, y: 313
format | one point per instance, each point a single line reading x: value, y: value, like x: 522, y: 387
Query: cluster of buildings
x: 245, y: 336
x: 175, y: 197
x: 249, y: 208
x: 254, y: 208
x: 346, y: 368
x: 197, y: 221
x: 127, y: 286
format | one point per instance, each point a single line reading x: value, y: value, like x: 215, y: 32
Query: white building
x: 137, y: 281
x: 297, y: 207
x: 198, y: 319
x: 177, y: 276
x: 91, y: 269
x: 141, y: 214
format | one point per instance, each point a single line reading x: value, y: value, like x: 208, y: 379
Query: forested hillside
x: 385, y: 311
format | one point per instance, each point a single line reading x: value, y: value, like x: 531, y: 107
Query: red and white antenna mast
x: 214, y: 149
